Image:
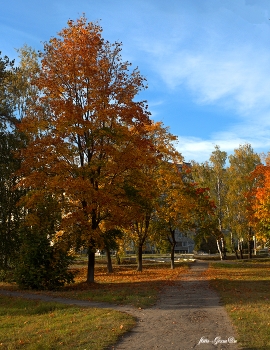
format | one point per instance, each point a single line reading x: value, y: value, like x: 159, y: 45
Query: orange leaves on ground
x: 124, y: 274
x: 125, y: 285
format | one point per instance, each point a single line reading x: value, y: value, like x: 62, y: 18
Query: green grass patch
x: 36, y: 325
x: 244, y: 288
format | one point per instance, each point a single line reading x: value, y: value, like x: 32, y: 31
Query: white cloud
x: 218, y: 50
x: 236, y: 79
x: 200, y: 150
x: 220, y: 54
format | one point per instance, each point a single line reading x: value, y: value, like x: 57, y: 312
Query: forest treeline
x: 83, y: 166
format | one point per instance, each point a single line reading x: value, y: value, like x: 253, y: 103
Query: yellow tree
x: 86, y: 132
x: 173, y: 210
x: 182, y: 205
x: 213, y: 175
x: 242, y: 163
x: 142, y: 186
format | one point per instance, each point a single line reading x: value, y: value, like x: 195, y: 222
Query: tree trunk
x: 139, y: 258
x: 219, y: 250
x: 240, y: 248
x: 173, y: 244
x: 223, y: 250
x: 91, y: 266
x: 109, y: 261
x: 250, y: 246
x: 117, y: 257
x: 250, y: 243
x: 232, y: 242
x: 233, y: 247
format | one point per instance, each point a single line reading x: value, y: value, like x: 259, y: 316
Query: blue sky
x: 207, y: 62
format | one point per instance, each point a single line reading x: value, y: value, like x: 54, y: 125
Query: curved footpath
x: 188, y: 315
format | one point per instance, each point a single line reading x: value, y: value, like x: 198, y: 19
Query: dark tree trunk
x: 240, y: 248
x: 171, y: 239
x: 241, y: 253
x: 109, y: 261
x: 117, y: 257
x: 139, y: 258
x: 223, y: 246
x: 91, y: 266
x: 173, y: 244
x: 233, y: 247
x: 250, y: 243
x: 250, y: 246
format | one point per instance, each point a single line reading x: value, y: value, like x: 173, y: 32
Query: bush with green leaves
x: 42, y: 265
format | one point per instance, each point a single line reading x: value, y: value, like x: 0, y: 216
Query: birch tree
x: 242, y: 163
x: 213, y: 175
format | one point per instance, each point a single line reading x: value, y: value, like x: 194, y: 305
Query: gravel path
x: 187, y: 316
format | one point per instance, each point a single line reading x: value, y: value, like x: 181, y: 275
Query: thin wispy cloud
x: 199, y: 57
x: 223, y: 62
x: 236, y: 80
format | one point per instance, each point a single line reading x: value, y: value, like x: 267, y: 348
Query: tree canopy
x: 86, y: 133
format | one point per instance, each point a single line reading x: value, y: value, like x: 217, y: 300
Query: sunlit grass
x: 26, y: 324
x: 245, y: 291
x: 124, y: 286
x: 35, y: 325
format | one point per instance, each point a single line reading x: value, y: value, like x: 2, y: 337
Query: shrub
x: 42, y: 265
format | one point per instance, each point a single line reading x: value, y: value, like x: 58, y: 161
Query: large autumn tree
x: 85, y: 132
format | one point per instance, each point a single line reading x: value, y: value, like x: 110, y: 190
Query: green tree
x: 6, y: 107
x: 43, y: 258
x: 10, y: 214
x: 10, y: 142
x: 20, y: 87
x: 205, y: 243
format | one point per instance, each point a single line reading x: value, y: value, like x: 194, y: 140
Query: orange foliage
x: 259, y: 199
x: 87, y: 137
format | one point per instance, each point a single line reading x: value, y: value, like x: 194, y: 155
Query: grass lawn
x: 26, y: 324
x: 36, y: 325
x: 124, y: 286
x: 245, y: 291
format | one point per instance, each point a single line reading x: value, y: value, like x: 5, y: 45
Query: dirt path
x: 187, y: 316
